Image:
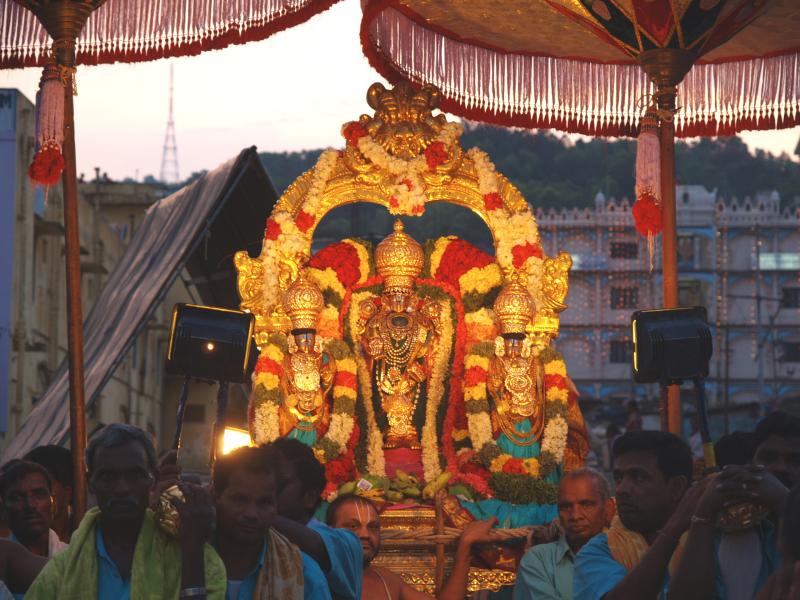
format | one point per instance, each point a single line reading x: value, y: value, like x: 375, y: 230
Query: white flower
x: 266, y: 423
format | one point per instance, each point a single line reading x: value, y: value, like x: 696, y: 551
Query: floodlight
x: 670, y: 345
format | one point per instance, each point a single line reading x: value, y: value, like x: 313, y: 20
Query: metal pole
x: 667, y: 67
x: 64, y: 22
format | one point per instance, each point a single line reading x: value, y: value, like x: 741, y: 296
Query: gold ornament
x: 167, y: 515
x: 514, y: 306
x: 403, y: 123
x: 399, y: 259
x: 303, y: 302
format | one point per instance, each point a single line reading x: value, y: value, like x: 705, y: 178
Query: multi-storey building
x: 739, y: 259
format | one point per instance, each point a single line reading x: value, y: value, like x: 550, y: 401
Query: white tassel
x: 648, y: 157
x: 48, y: 163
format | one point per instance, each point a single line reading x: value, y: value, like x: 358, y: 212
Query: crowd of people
x: 662, y: 533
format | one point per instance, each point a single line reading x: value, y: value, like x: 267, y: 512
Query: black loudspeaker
x: 670, y: 345
x: 211, y: 343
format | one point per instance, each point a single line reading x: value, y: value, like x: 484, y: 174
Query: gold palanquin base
x: 415, y: 561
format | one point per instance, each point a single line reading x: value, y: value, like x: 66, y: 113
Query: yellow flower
x: 438, y: 251
x: 327, y: 279
x: 460, y: 434
x: 328, y: 326
x: 340, y: 390
x: 274, y: 353
x: 268, y: 380
x: 497, y: 463
x: 480, y: 280
x: 555, y: 367
x: 532, y: 466
x: 475, y: 392
x: 557, y: 395
x: 346, y: 364
x: 475, y: 360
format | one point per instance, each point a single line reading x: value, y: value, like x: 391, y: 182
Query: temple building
x: 734, y: 257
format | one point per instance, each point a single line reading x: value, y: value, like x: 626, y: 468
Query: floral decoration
x: 47, y: 165
x: 647, y: 214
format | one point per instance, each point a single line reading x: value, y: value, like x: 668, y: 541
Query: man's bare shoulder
x: 399, y: 589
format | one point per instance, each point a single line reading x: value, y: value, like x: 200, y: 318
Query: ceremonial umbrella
x: 60, y: 34
x: 592, y: 66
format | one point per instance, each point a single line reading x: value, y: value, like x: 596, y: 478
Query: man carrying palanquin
x: 585, y: 508
x: 118, y: 552
x: 360, y: 515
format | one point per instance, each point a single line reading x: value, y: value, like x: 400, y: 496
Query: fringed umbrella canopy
x: 141, y: 30
x: 573, y: 65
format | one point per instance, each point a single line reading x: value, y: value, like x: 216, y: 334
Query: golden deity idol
x: 308, y: 371
x: 516, y: 377
x: 397, y: 337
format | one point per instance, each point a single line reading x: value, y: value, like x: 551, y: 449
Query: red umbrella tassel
x: 647, y: 208
x: 48, y: 163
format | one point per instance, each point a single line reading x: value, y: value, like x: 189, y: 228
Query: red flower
x: 555, y: 381
x: 418, y: 209
x: 409, y: 185
x: 514, y: 466
x: 435, y: 154
x: 647, y: 215
x: 342, y: 258
x: 304, y: 221
x: 474, y: 376
x: 393, y: 202
x: 493, y: 201
x: 354, y: 131
x: 523, y: 253
x: 266, y: 365
x: 345, y: 379
x: 273, y: 230
x: 458, y: 258
x: 47, y: 165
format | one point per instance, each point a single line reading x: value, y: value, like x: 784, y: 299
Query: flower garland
x: 476, y: 399
x: 441, y: 358
x: 516, y: 233
x: 267, y: 396
x: 406, y: 193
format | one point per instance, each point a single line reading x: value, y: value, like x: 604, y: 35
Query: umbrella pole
x: 667, y: 67
x: 64, y: 22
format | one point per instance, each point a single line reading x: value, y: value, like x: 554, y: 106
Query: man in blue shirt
x: 260, y: 562
x: 585, y: 508
x: 301, y: 480
x: 652, y: 471
x: 736, y: 565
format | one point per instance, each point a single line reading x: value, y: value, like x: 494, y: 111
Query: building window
x: 686, y: 252
x: 791, y: 352
x: 790, y: 297
x: 620, y: 351
x: 624, y: 250
x: 690, y: 293
x: 624, y: 297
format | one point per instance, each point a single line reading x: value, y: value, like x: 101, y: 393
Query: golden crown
x: 514, y: 306
x: 303, y: 302
x: 399, y: 259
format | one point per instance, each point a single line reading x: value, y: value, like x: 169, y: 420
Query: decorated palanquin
x: 412, y: 368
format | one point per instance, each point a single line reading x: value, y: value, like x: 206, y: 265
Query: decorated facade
x: 412, y: 368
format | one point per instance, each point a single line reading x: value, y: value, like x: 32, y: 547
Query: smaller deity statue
x: 516, y: 377
x: 308, y: 371
x: 397, y: 337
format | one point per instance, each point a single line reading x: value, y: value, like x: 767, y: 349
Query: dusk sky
x: 290, y: 92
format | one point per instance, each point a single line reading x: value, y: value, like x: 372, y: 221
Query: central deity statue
x: 397, y: 337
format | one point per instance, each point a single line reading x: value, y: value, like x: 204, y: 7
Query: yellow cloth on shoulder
x: 281, y: 577
x: 155, y: 574
x: 629, y: 547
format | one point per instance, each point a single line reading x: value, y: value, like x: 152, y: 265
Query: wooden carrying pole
x: 64, y: 22
x: 667, y: 67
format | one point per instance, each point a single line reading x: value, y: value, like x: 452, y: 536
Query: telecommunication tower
x: 169, y: 155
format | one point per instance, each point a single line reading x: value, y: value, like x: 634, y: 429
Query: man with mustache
x: 736, y: 565
x: 652, y: 471
x: 25, y: 489
x: 360, y: 516
x: 261, y: 563
x: 585, y: 508
x: 118, y: 552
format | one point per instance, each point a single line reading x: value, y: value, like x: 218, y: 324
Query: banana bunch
x: 437, y: 484
x: 402, y: 486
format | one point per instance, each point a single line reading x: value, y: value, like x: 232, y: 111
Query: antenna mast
x: 169, y: 154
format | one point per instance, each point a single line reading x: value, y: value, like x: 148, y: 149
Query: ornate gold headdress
x: 303, y: 302
x: 514, y: 306
x: 399, y: 259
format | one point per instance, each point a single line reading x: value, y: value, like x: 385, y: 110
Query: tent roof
x: 198, y: 227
